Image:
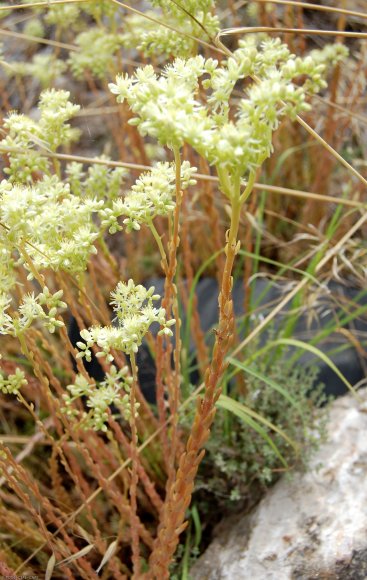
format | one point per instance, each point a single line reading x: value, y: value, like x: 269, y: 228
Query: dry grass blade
x: 30, y: 443
x: 108, y: 555
x: 45, y: 4
x: 319, y: 7
x: 50, y: 567
x: 331, y: 150
x: 38, y: 40
x: 330, y: 254
x: 344, y: 110
x: 83, y: 552
x: 201, y: 176
x: 269, y: 29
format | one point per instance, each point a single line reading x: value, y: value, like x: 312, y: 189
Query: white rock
x: 312, y: 526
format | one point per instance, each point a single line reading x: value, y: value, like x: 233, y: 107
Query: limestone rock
x: 313, y: 525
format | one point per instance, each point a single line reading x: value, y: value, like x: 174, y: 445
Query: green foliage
x: 238, y: 457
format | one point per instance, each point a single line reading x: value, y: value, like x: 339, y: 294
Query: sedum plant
x: 54, y: 223
x: 236, y: 142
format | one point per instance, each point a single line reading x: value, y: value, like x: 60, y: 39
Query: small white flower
x: 135, y: 313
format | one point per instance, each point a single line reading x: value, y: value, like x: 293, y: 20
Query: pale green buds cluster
x: 57, y: 225
x: 6, y: 321
x: 56, y: 111
x: 169, y: 107
x: 12, y: 384
x: 25, y: 136
x: 32, y: 309
x: 104, y: 182
x: 156, y: 40
x: 7, y: 274
x: 34, y: 27
x: 97, y: 52
x: 69, y: 16
x: 330, y: 55
x: 100, y: 9
x: 135, y: 313
x: 113, y: 390
x: 99, y: 181
x: 43, y: 67
x: 165, y: 106
x: 191, y: 6
x: 152, y: 195
x: 62, y: 16
x: 24, y: 160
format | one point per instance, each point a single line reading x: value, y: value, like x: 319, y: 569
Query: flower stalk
x: 134, y: 474
x: 180, y: 491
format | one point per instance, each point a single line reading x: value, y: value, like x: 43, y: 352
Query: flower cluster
x: 50, y: 132
x: 330, y: 55
x: 68, y: 16
x: 168, y: 107
x: 43, y: 67
x: 165, y: 106
x: 56, y: 110
x: 104, y: 182
x: 97, y: 52
x: 57, y: 225
x: 7, y: 273
x: 154, y: 40
x: 192, y: 6
x: 99, y: 181
x: 31, y: 309
x: 13, y: 383
x: 62, y: 16
x: 6, y: 321
x: 100, y: 9
x: 114, y: 389
x: 135, y: 313
x: 24, y: 160
x: 34, y: 27
x: 152, y: 195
